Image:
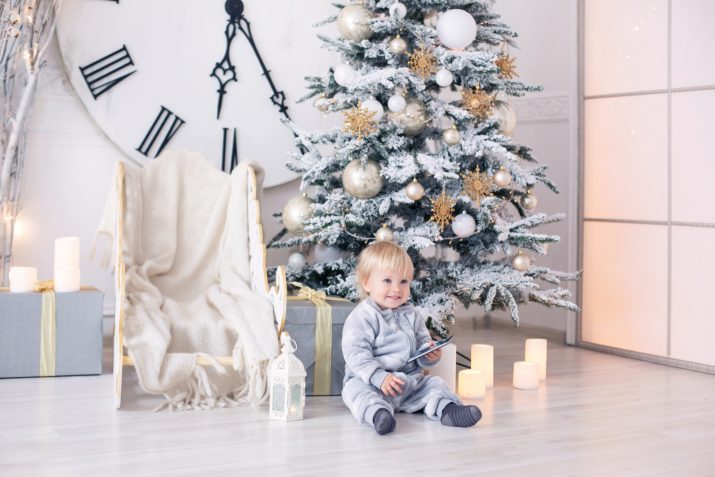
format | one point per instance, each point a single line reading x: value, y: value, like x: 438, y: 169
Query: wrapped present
x: 315, y: 321
x: 51, y: 334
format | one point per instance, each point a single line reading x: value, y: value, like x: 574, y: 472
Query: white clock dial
x: 142, y: 69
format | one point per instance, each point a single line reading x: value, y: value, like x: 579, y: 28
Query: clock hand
x: 225, y: 71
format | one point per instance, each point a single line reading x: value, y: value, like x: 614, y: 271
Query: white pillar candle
x: 472, y: 384
x: 526, y: 375
x: 66, y: 252
x: 22, y: 279
x: 536, y: 353
x: 446, y: 368
x: 67, y: 279
x: 483, y: 359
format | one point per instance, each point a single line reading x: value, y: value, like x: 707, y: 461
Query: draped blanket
x: 188, y: 293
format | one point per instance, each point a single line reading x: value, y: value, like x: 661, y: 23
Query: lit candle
x: 483, y: 359
x: 66, y: 252
x: 471, y: 384
x: 446, y: 368
x: 536, y: 353
x: 526, y: 375
x: 22, y: 279
x: 67, y: 279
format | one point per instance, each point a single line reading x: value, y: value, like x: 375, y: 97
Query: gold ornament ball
x: 451, y: 136
x: 397, y: 45
x: 413, y: 118
x: 521, y: 262
x: 296, y: 212
x: 361, y: 179
x: 502, y: 178
x: 384, y: 234
x: 414, y: 190
x: 529, y: 201
x: 354, y: 23
x: 505, y: 116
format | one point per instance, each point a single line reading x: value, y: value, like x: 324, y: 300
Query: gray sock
x: 456, y: 415
x: 383, y: 421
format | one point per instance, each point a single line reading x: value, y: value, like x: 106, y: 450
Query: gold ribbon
x: 323, y: 335
x: 48, y: 334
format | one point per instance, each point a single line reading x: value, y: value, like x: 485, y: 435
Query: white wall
x: 70, y: 162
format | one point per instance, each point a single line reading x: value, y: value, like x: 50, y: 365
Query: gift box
x: 318, y: 336
x: 51, y: 334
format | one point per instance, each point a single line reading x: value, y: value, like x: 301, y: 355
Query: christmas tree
x: 425, y: 158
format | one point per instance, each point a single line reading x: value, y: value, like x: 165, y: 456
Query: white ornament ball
x: 374, y: 106
x: 398, y: 10
x: 456, y: 29
x: 354, y: 23
x: 296, y: 260
x: 464, y: 225
x: 414, y: 190
x: 505, y: 116
x: 344, y: 74
x: 451, y: 136
x: 529, y: 201
x: 324, y: 253
x: 413, y: 118
x: 384, y: 234
x: 396, y: 103
x: 521, y: 262
x: 296, y: 212
x: 502, y: 178
x: 444, y: 77
x: 361, y: 179
x: 397, y: 45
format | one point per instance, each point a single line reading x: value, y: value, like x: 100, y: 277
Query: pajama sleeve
x: 359, y: 334
x: 423, y: 340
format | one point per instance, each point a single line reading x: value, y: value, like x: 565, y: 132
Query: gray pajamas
x: 377, y: 342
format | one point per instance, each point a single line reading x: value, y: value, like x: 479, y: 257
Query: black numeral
x: 108, y: 71
x: 163, y: 129
x: 229, y: 157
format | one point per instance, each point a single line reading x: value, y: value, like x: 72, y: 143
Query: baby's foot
x: 384, y: 422
x: 460, y: 416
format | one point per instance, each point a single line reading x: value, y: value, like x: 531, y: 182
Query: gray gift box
x: 300, y: 325
x: 77, y: 337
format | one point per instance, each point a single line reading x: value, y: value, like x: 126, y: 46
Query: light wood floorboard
x: 596, y: 415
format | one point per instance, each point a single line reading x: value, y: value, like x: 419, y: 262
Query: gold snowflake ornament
x: 507, y: 66
x: 476, y: 185
x: 423, y: 63
x: 477, y: 102
x: 359, y: 121
x: 442, y: 210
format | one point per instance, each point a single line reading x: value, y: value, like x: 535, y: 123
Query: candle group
x: 446, y: 367
x: 22, y: 279
x: 472, y: 384
x: 66, y: 271
x: 526, y: 375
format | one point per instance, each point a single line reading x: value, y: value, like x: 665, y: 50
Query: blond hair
x: 385, y: 255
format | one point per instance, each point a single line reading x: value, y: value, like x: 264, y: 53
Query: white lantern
x: 287, y: 381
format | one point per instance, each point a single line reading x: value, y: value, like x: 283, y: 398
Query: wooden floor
x: 596, y: 415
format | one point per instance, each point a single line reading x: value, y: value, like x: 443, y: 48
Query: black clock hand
x: 225, y: 71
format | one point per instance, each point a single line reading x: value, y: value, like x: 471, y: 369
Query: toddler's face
x: 389, y: 288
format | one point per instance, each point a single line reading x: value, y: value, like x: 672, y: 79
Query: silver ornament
x: 464, y: 225
x: 505, y: 117
x: 502, y: 178
x: 361, y: 179
x: 521, y: 262
x: 396, y: 103
x: 296, y: 260
x: 354, y: 23
x: 344, y: 74
x: 451, y: 136
x: 444, y: 77
x: 414, y: 190
x: 321, y: 104
x: 374, y: 106
x: 398, y: 10
x: 296, y: 212
x: 529, y: 201
x: 397, y: 45
x: 413, y: 118
x: 384, y: 233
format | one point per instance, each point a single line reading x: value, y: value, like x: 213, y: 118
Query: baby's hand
x: 434, y: 355
x: 392, y: 385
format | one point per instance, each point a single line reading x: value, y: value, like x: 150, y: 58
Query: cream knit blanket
x: 188, y: 293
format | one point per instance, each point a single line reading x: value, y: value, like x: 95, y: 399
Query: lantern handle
x: 289, y: 344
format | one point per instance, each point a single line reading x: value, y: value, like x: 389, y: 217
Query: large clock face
x: 154, y: 73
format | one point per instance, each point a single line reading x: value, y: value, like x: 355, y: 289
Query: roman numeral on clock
x: 108, y: 71
x: 160, y: 133
x: 229, y: 156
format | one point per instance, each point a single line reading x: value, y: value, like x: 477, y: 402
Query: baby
x: 378, y: 338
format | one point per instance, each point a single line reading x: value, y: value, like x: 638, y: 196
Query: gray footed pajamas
x: 377, y: 342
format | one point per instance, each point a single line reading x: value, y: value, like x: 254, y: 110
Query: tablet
x: 435, y: 346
